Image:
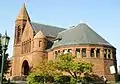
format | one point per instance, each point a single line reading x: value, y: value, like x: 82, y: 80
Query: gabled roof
x: 81, y: 34
x: 47, y: 30
x: 39, y: 35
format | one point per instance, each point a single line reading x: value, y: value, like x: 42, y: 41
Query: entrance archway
x: 25, y: 68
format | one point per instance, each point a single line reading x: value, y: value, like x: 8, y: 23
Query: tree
x: 6, y: 64
x: 53, y: 71
x: 76, y: 68
x: 45, y: 72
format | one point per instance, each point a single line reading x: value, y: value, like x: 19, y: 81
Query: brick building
x: 34, y: 41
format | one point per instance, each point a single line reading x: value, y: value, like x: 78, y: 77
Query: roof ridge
x: 67, y: 30
x: 85, y: 34
x: 47, y: 30
x: 72, y: 28
x: 99, y: 35
x: 46, y: 25
x: 91, y: 30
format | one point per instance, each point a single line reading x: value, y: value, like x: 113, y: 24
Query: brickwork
x: 101, y: 64
x: 28, y: 47
x: 32, y: 48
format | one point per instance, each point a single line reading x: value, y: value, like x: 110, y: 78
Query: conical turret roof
x: 23, y: 13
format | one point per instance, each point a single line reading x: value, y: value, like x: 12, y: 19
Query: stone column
x: 111, y: 54
x: 102, y: 53
x: 95, y: 52
x: 81, y: 53
x: 107, y: 54
x: 74, y: 52
x: 88, y: 52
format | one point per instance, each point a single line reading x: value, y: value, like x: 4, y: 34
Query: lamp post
x: 4, y: 40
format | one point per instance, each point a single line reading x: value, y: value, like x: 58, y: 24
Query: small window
x: 105, y: 53
x: 109, y: 53
x: 40, y: 42
x: 69, y: 50
x: 64, y: 51
x: 58, y: 52
x: 98, y: 53
x: 18, y: 34
x: 29, y: 45
x: 113, y: 54
x: 77, y: 52
x: 84, y: 52
x: 92, y: 52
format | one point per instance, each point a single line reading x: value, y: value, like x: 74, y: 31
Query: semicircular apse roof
x: 81, y: 34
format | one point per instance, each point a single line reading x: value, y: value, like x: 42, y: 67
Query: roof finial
x: 24, y: 4
x: 83, y: 22
x: 27, y: 1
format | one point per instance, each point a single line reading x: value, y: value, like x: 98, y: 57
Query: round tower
x: 39, y: 43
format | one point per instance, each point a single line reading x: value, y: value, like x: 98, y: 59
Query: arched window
x: 97, y: 52
x: 26, y: 46
x: 29, y: 45
x: 92, y: 52
x: 84, y: 52
x: 18, y: 33
x: 55, y: 54
x: 23, y: 28
x: 105, y: 53
x: 59, y: 52
x: 109, y: 54
x: 69, y: 50
x: 40, y: 43
x: 77, y: 52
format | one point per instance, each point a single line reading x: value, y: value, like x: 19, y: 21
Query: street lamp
x: 4, y: 40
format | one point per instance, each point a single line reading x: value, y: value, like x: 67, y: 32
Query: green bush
x: 63, y: 79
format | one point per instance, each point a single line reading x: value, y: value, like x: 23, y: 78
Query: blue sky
x: 102, y: 15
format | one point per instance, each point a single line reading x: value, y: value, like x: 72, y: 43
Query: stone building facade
x: 34, y: 41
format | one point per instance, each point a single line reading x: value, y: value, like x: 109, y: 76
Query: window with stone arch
x: 18, y: 33
x: 26, y: 46
x: 23, y: 28
x: 55, y: 54
x: 92, y: 54
x: 109, y: 54
x: 29, y: 44
x: 98, y: 52
x: 83, y: 52
x: 105, y: 53
x: 77, y: 52
x: 40, y: 43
